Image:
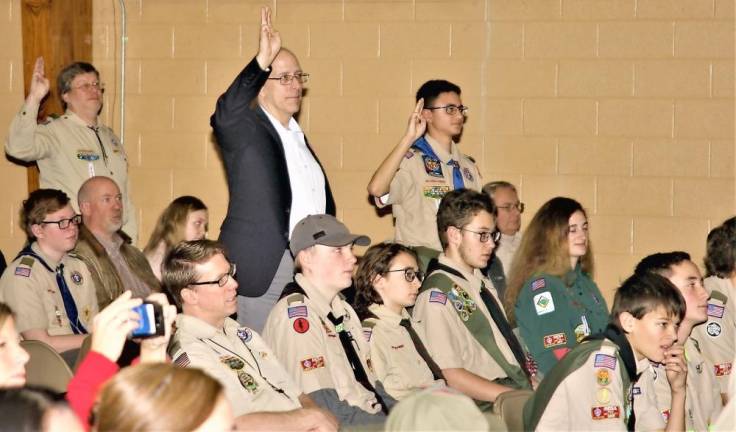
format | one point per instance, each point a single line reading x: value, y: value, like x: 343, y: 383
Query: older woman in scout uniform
x: 550, y: 294
x: 386, y: 283
x: 50, y: 290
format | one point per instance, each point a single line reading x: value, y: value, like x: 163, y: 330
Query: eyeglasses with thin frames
x: 64, y: 223
x: 89, y: 86
x: 223, y: 280
x: 518, y: 206
x: 301, y: 77
x: 451, y: 109
x: 409, y: 274
x: 484, y: 236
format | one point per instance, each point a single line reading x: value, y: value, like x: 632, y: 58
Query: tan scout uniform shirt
x: 237, y: 357
x: 592, y: 398
x: 397, y: 364
x: 306, y: 342
x: 447, y: 338
x: 415, y: 194
x: 30, y: 289
x: 716, y: 336
x: 68, y: 153
x: 703, y: 396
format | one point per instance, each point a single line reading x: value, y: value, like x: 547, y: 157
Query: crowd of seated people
x: 436, y: 330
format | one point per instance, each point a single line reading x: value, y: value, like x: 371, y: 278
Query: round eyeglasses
x: 409, y: 274
x: 484, y: 236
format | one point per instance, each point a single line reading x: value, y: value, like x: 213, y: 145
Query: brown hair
x: 39, y: 204
x: 720, y: 255
x: 5, y: 313
x: 177, y: 269
x: 171, y: 224
x: 458, y: 207
x: 157, y: 396
x: 544, y: 248
x: 644, y: 292
x: 67, y: 75
x: 376, y: 261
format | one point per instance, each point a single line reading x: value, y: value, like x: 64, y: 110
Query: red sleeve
x: 82, y: 391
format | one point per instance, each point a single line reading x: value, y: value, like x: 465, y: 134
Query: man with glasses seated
x: 508, y: 222
x: 425, y: 165
x: 262, y: 395
x: 458, y: 313
x: 74, y: 146
x: 50, y: 289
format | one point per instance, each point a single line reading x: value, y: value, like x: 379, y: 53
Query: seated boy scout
x: 422, y: 168
x: 50, y: 289
x: 593, y: 386
x: 703, y: 397
x: 316, y: 334
x: 458, y: 312
x: 262, y: 395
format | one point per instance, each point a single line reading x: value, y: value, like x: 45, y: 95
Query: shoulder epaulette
x: 295, y: 298
x: 369, y: 323
x: 717, y: 295
x: 27, y: 261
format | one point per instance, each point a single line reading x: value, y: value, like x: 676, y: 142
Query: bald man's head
x: 101, y: 205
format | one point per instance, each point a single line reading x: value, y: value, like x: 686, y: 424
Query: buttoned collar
x: 387, y: 315
x: 318, y: 300
x: 440, y: 151
x: 474, y: 278
x: 293, y: 125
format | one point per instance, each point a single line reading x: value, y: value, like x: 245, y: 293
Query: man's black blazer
x: 256, y: 228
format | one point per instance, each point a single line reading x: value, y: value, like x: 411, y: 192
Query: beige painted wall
x: 625, y: 105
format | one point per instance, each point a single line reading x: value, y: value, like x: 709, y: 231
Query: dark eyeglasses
x: 518, y: 206
x: 409, y: 274
x: 286, y: 79
x: 451, y: 109
x: 223, y: 279
x: 484, y: 236
x: 64, y: 223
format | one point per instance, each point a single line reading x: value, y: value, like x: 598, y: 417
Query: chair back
x: 510, y: 406
x: 83, y: 350
x: 46, y: 367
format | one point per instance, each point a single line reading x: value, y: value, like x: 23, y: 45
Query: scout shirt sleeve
x: 649, y: 411
x: 438, y: 323
x: 542, y: 317
x: 27, y: 140
x: 403, y: 183
x: 21, y: 291
x: 299, y: 344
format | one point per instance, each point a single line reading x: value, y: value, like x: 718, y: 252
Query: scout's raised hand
x: 39, y: 83
x: 417, y: 124
x: 270, y: 40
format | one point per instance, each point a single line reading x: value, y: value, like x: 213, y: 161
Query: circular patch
x: 603, y: 395
x: 603, y: 377
x: 77, y: 277
x: 301, y: 325
x: 713, y: 329
x: 245, y: 334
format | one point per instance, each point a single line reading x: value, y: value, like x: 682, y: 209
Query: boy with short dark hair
x: 594, y: 386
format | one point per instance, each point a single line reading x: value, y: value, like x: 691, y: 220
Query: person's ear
x: 38, y: 231
x: 188, y: 296
x: 454, y: 235
x: 627, y: 321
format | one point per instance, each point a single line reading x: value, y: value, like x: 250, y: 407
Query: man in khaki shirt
x: 316, y: 334
x: 50, y: 289
x: 73, y: 147
x: 422, y: 168
x: 262, y: 394
x: 487, y: 360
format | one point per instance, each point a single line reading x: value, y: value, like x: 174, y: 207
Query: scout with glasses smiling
x: 51, y: 290
x: 458, y: 313
x: 425, y: 165
x: 386, y: 283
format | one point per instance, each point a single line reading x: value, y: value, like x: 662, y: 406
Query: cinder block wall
x: 625, y: 105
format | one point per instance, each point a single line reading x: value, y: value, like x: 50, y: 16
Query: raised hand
x: 154, y: 349
x: 676, y: 368
x: 39, y: 83
x: 417, y: 124
x: 270, y: 40
x: 110, y: 327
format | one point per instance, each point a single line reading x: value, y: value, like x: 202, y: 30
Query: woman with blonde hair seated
x: 185, y: 219
x: 163, y: 397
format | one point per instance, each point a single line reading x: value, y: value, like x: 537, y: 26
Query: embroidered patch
x: 554, y: 340
x: 87, y: 155
x: 23, y: 271
x: 182, y: 360
x: 605, y: 412
x: 409, y: 154
x: 467, y: 174
x: 297, y: 311
x: 432, y: 166
x: 666, y: 415
x: 27, y: 261
x: 312, y: 363
x: 367, y: 333
x: 435, y: 192
x: 560, y: 352
x: 602, y: 377
x: 539, y: 284
x: 722, y: 369
x: 605, y: 360
x: 580, y: 333
x: 301, y: 325
x: 715, y: 310
x: 245, y: 334
x: 437, y: 297
x: 543, y: 303
x: 531, y: 364
x: 636, y: 391
x: 77, y: 277
x: 603, y: 395
x: 713, y: 329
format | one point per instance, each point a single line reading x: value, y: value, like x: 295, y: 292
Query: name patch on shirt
x: 605, y: 412
x: 543, y: 303
x: 554, y: 340
x: 23, y: 271
x: 312, y: 363
x: 297, y: 311
x: 437, y: 297
x: 605, y: 360
x: 715, y: 310
x: 436, y: 192
x: 87, y: 155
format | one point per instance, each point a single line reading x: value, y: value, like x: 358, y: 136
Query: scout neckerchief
x: 346, y: 339
x: 422, y: 350
x: 479, y: 327
x: 430, y: 156
x: 66, y: 295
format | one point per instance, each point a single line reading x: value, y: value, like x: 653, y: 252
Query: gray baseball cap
x: 325, y: 230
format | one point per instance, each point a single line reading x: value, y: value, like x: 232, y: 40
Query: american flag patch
x: 182, y: 360
x: 715, y: 310
x: 538, y: 284
x: 605, y: 360
x: 23, y: 271
x: 297, y: 311
x: 437, y: 297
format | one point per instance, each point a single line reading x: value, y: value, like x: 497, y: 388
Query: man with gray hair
x: 508, y: 222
